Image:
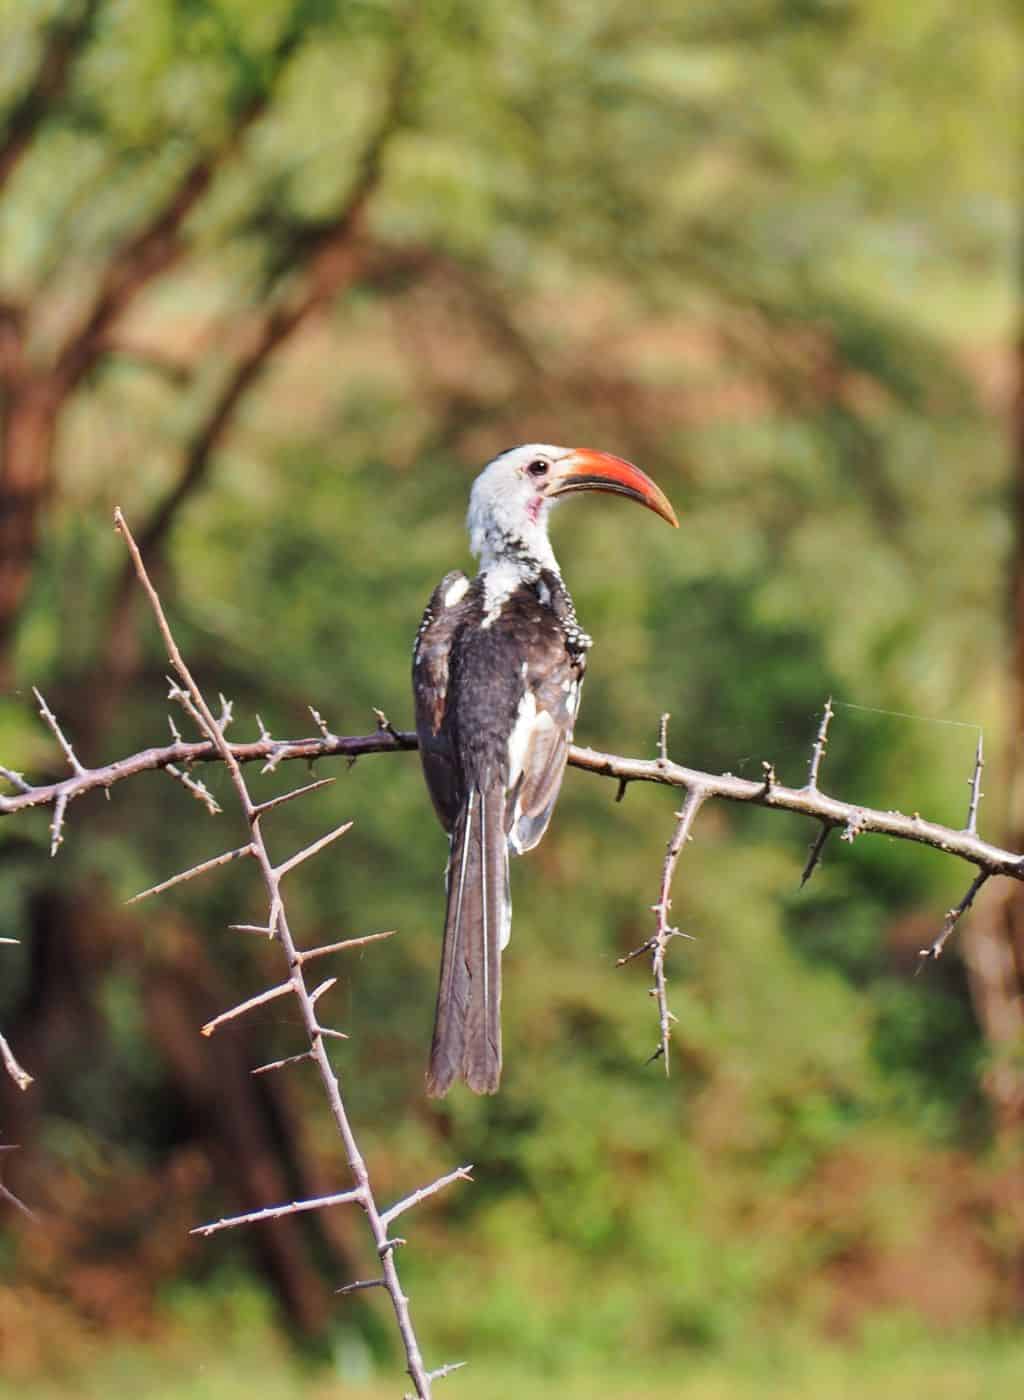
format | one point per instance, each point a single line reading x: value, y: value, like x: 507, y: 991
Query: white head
x: 513, y: 496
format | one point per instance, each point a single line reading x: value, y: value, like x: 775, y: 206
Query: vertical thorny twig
x: 189, y: 695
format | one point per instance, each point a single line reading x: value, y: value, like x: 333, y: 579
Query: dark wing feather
x: 430, y: 677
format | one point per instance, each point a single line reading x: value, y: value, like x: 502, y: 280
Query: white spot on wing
x: 521, y: 734
x: 456, y: 592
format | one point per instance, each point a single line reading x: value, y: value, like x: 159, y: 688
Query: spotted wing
x: 430, y: 680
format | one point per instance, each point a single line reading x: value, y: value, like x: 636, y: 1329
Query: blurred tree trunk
x: 29, y: 425
x: 994, y: 946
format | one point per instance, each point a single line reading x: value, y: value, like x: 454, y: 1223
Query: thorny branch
x: 664, y: 931
x: 806, y: 801
x: 700, y: 787
x: 362, y: 1193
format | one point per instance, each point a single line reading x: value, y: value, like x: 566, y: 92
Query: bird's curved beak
x: 587, y: 470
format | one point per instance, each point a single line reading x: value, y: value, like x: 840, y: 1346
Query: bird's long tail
x: 467, y: 1023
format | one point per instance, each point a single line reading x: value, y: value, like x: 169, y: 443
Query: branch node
x: 389, y: 1246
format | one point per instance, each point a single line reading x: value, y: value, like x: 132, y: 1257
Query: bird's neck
x: 507, y: 562
x: 527, y: 553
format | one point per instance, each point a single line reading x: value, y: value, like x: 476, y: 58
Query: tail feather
x: 467, y: 1024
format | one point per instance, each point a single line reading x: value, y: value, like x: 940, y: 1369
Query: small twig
x: 312, y: 850
x: 6, y: 1194
x: 227, y: 712
x: 320, y: 722
x: 16, y: 780
x: 305, y: 955
x: 254, y: 1217
x: 976, y: 792
x: 224, y: 859
x: 768, y: 769
x: 953, y: 917
x: 814, y: 854
x: 58, y: 734
x: 384, y: 725
x: 263, y: 807
x: 60, y: 807
x: 282, y: 989
x: 359, y: 1284
x: 644, y: 947
x: 282, y: 1064
x: 20, y: 1076
x: 447, y: 1370
x: 318, y: 992
x: 620, y: 794
x: 400, y: 1207
x: 820, y: 745
x: 198, y: 789
x: 663, y: 738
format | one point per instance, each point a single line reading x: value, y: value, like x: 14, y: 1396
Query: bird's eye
x: 538, y: 468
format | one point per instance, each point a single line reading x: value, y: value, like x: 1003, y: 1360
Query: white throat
x: 512, y: 551
x: 501, y: 538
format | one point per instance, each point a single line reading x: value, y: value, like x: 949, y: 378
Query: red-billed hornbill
x: 497, y: 670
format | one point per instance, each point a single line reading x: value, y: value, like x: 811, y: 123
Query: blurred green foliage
x: 764, y: 248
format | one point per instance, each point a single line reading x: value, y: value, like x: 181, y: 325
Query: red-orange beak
x: 587, y: 470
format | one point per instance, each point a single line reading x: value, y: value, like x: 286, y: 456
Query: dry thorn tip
x: 224, y: 859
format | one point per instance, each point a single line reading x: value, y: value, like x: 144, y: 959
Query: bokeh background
x: 277, y: 277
